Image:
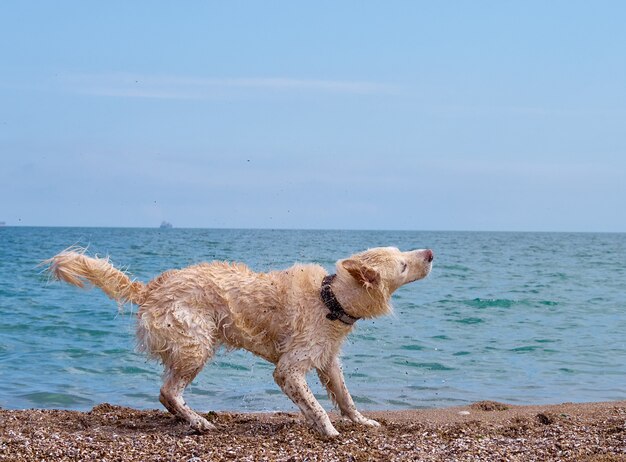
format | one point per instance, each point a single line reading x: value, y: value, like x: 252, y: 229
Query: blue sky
x: 460, y: 115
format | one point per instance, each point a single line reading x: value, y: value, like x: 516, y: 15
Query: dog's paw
x: 362, y: 420
x: 368, y: 422
x: 329, y: 432
x: 201, y: 425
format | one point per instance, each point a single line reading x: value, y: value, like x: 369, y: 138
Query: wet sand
x: 484, y: 431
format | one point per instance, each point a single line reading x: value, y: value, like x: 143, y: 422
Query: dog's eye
x: 404, y: 267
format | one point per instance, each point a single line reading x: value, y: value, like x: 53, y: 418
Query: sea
x: 521, y: 318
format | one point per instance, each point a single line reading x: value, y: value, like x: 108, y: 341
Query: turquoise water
x: 514, y: 317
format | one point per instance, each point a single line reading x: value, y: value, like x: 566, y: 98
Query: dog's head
x: 378, y: 272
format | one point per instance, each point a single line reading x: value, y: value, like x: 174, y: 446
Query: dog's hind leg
x: 184, y: 340
x: 171, y: 397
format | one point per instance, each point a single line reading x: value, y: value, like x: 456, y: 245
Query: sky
x: 398, y: 115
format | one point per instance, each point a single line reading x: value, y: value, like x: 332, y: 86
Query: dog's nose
x: 429, y: 255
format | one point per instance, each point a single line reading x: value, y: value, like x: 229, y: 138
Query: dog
x: 296, y: 319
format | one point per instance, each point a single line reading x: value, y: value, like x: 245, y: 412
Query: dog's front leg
x: 290, y: 376
x: 332, y: 378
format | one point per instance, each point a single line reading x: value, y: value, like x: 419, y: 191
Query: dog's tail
x: 74, y: 267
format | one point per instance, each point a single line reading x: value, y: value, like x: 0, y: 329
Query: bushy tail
x: 74, y: 267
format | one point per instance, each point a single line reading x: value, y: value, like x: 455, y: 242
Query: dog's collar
x: 336, y: 310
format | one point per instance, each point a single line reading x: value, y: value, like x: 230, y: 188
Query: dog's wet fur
x: 185, y: 314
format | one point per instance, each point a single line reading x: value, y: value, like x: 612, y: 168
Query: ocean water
x: 514, y: 317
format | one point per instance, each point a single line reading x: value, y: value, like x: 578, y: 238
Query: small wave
x: 398, y: 403
x: 46, y: 399
x: 201, y: 391
x: 490, y: 302
x: 429, y: 366
x: 412, y: 347
x: 357, y: 375
x: 524, y: 349
x: 228, y: 365
x: 506, y: 302
x: 361, y: 399
x: 455, y: 267
x: 441, y: 337
x: 131, y: 370
x: 470, y: 320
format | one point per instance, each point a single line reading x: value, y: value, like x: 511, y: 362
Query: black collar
x: 331, y: 302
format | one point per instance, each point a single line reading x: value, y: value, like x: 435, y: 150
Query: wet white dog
x: 297, y: 318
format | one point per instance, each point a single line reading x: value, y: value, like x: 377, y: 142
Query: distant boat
x: 166, y: 225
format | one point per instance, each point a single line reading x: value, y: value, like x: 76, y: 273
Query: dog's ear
x: 366, y: 276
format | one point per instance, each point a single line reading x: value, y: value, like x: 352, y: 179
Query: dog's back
x: 261, y: 312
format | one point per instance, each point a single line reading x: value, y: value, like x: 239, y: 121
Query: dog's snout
x: 429, y: 255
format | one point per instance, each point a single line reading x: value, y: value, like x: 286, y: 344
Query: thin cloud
x: 505, y: 110
x: 183, y: 87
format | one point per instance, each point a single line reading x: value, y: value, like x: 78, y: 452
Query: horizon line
x: 226, y: 228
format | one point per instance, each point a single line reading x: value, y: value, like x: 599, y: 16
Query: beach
x: 485, y: 430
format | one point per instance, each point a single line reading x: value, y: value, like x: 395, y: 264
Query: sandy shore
x: 484, y: 431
